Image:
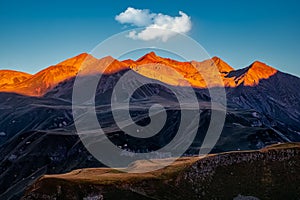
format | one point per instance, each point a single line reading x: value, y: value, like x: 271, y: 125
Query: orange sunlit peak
x: 148, y: 57
x: 258, y: 71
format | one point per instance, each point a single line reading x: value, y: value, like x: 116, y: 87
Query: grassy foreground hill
x: 270, y: 173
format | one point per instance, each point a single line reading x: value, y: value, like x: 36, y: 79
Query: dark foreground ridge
x: 270, y: 173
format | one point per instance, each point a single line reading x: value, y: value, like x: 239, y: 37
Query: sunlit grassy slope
x: 271, y: 173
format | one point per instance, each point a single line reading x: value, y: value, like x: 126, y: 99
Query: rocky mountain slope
x: 10, y: 78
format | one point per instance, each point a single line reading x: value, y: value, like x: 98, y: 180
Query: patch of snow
x: 241, y: 197
x: 256, y: 124
x: 237, y: 125
x: 151, y: 155
x: 12, y: 157
x: 260, y: 145
x: 96, y: 197
x: 2, y: 134
x: 255, y: 114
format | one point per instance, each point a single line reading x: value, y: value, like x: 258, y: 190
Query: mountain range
x: 150, y: 65
x: 38, y: 135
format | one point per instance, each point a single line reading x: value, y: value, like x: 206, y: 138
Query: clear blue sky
x: 37, y: 34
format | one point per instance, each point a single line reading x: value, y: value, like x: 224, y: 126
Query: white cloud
x: 157, y: 25
x: 135, y: 17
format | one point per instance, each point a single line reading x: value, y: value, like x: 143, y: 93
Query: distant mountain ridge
x: 150, y: 65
